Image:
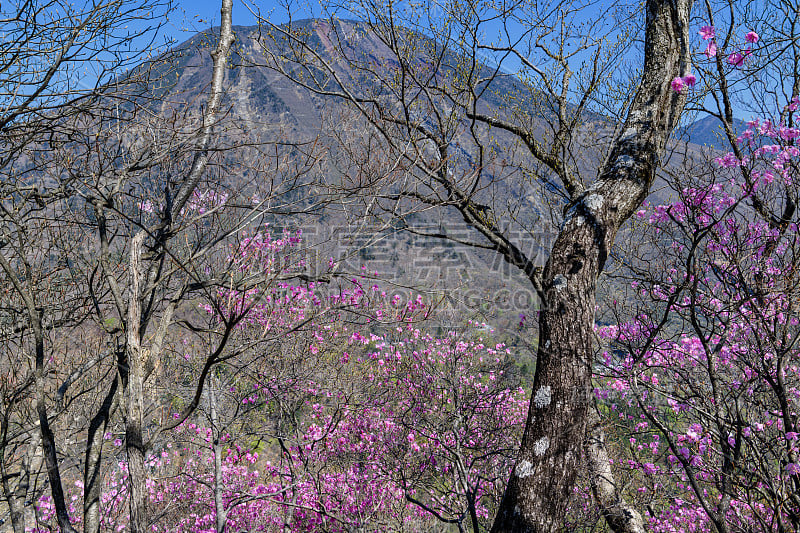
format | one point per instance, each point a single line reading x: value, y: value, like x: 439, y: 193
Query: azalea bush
x: 702, y: 370
x: 333, y: 411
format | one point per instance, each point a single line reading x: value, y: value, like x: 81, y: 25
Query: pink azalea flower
x: 707, y: 32
x: 711, y: 49
x: 736, y: 59
x: 677, y: 84
x: 751, y: 37
x: 689, y: 80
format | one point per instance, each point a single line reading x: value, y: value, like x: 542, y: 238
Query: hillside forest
x: 452, y: 266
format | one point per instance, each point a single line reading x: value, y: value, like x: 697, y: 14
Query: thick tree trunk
x: 542, y: 482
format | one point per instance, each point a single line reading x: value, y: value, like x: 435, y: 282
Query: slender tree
x: 113, y: 212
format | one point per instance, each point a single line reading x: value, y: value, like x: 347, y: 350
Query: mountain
x: 270, y: 107
x: 708, y: 131
x: 267, y: 101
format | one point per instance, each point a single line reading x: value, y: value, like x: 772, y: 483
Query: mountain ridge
x: 269, y: 106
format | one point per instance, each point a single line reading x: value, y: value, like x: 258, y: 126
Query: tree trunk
x: 621, y: 517
x: 219, y: 487
x: 135, y: 353
x: 92, y: 482
x: 134, y: 397
x: 50, y: 454
x: 15, y: 497
x: 542, y: 482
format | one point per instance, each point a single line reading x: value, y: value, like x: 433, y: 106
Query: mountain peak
x: 708, y: 131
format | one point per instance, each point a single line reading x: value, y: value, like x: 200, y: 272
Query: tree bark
x: 92, y: 482
x: 621, y: 517
x: 219, y: 502
x: 542, y: 481
x: 134, y: 397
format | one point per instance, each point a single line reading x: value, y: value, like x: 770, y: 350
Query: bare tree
x: 45, y: 46
x: 427, y: 106
x: 116, y: 211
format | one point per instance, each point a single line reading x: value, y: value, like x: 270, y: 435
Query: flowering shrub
x: 375, y: 424
x: 705, y: 374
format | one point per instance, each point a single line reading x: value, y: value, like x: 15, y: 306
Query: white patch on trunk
x: 540, y: 446
x: 542, y: 397
x: 624, y: 161
x: 559, y: 282
x: 593, y: 202
x: 524, y: 469
x: 628, y: 134
x: 572, y: 217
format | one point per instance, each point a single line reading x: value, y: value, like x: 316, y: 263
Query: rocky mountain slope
x: 272, y: 108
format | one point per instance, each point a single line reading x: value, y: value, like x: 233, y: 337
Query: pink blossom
x: 711, y: 50
x: 736, y: 59
x: 689, y: 80
x: 677, y: 84
x: 694, y: 432
x: 707, y: 32
x: 751, y: 37
x: 738, y: 357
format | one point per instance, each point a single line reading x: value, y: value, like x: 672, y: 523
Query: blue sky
x: 193, y: 16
